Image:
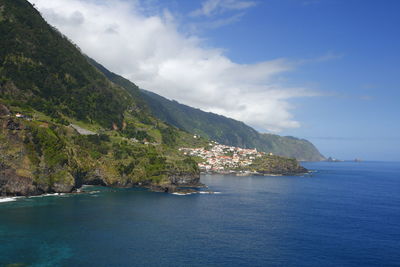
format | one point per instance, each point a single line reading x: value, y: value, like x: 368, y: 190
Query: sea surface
x: 344, y: 214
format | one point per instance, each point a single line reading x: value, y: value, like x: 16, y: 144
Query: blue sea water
x: 344, y: 214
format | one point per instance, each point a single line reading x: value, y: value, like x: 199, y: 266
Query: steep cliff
x: 41, y: 157
x: 46, y: 85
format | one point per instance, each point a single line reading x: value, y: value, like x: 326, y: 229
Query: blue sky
x: 359, y: 116
x: 324, y: 70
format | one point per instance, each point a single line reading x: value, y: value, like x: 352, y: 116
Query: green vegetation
x: 120, y: 143
x: 45, y: 77
x: 50, y: 154
x: 41, y: 69
x: 276, y: 165
x: 212, y: 126
x: 228, y: 131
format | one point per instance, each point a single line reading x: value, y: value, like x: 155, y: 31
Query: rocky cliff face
x: 277, y: 165
x: 4, y: 110
x: 23, y: 168
x: 179, y: 183
x: 185, y: 179
x: 39, y: 157
x: 115, y: 142
x: 13, y: 184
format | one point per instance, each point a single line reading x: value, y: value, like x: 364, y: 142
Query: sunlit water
x: 345, y: 214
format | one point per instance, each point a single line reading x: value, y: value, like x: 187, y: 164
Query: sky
x: 324, y: 70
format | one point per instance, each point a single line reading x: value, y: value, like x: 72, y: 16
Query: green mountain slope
x: 42, y: 69
x: 228, y: 131
x: 62, y: 97
x: 215, y: 127
x: 129, y: 86
x: 65, y: 121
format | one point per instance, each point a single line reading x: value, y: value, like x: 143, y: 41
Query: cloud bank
x: 213, y: 7
x: 150, y: 51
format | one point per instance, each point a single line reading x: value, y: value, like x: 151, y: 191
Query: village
x: 217, y: 158
x: 214, y: 158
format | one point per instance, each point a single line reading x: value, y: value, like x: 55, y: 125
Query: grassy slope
x: 41, y: 69
x: 276, y: 165
x: 215, y: 127
x: 46, y: 77
x: 228, y: 131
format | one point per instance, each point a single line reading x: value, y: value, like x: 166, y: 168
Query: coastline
x: 192, y: 186
x: 15, y: 198
x: 173, y: 190
x: 246, y: 174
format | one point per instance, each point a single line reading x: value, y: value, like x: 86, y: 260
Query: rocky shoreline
x: 171, y: 189
x: 254, y: 173
x: 245, y: 174
x: 31, y: 164
x: 181, y: 191
x: 12, y: 185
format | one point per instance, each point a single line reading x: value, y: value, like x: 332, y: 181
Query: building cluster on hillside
x: 22, y: 116
x: 221, y: 158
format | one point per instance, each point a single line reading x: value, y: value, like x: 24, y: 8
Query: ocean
x: 343, y: 214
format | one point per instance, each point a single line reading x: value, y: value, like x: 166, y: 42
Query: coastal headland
x: 221, y: 159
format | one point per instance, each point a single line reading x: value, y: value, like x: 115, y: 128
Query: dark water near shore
x: 346, y: 214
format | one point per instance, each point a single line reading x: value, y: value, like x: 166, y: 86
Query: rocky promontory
x: 276, y: 165
x: 39, y: 157
x: 222, y: 159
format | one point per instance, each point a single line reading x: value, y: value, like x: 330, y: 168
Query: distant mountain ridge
x: 228, y: 131
x: 66, y: 121
x: 219, y: 128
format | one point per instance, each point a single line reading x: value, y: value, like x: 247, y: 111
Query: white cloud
x: 212, y: 7
x: 150, y: 51
x: 217, y: 23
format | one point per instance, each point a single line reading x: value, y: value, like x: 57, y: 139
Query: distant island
x: 330, y: 159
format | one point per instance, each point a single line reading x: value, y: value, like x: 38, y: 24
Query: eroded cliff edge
x: 42, y: 157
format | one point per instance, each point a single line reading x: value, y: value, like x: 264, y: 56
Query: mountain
x: 213, y: 126
x: 63, y: 123
x: 228, y: 131
x: 66, y: 121
x: 41, y: 69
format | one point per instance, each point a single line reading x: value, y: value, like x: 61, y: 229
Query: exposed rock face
x: 4, y: 110
x: 13, y: 184
x: 94, y: 177
x: 38, y: 158
x: 185, y: 179
x: 63, y: 188
x: 40, y: 153
x: 179, y: 183
x: 172, y: 189
x: 163, y: 188
x: 287, y: 170
x: 277, y: 165
x: 10, y: 124
x: 66, y: 185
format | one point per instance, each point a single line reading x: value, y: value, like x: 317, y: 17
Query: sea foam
x: 7, y: 199
x: 181, y: 194
x: 49, y: 195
